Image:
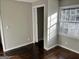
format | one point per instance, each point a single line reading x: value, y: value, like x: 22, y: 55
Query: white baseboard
x: 44, y: 48
x: 47, y: 49
x: 69, y: 49
x: 18, y: 46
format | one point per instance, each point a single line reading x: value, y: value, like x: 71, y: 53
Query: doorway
x: 40, y: 26
x: 38, y: 12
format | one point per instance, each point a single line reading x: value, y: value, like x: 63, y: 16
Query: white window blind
x: 69, y: 22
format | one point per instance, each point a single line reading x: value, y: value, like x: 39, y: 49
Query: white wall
x: 71, y: 43
x: 17, y: 23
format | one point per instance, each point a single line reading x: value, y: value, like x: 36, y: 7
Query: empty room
x: 39, y: 29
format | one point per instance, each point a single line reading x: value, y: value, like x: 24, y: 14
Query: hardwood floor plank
x: 34, y: 52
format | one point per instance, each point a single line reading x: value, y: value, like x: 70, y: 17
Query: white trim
x: 47, y: 49
x: 18, y: 46
x: 67, y: 35
x: 2, y: 35
x: 62, y: 47
x: 69, y: 49
x: 38, y: 6
x: 72, y: 6
x: 34, y: 20
x: 33, y: 24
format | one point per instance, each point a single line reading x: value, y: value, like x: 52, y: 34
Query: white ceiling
x: 28, y: 0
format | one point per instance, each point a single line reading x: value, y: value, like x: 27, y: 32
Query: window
x: 69, y: 22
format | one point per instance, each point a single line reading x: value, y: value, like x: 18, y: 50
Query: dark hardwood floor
x: 35, y: 52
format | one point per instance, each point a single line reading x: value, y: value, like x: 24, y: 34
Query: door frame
x: 2, y: 35
x: 34, y: 20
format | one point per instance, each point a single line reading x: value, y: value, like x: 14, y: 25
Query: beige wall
x: 68, y: 2
x: 38, y: 3
x: 52, y: 10
x: 0, y: 7
x: 17, y: 23
x: 71, y: 43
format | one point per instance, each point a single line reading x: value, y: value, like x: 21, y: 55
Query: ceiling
x: 28, y: 0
